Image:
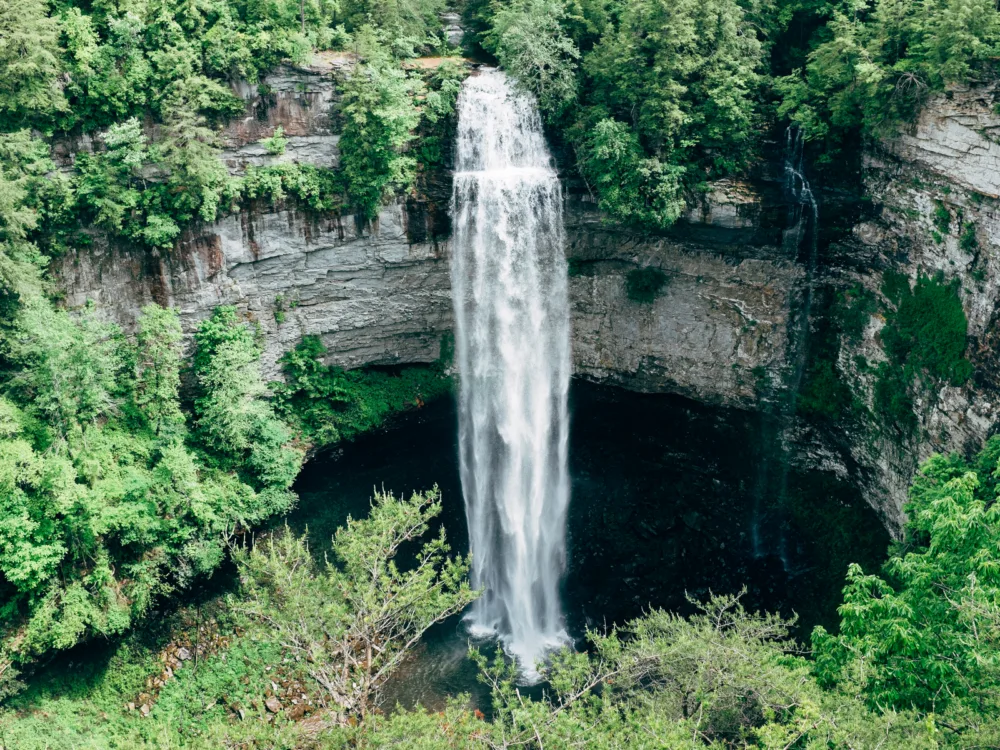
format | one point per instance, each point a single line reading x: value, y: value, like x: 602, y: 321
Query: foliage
x: 631, y: 187
x: 824, y: 394
x: 327, y: 404
x: 355, y: 621
x: 875, y: 62
x: 928, y: 330
x: 968, y: 241
x: 666, y: 95
x: 236, y: 422
x: 644, y: 285
x: 722, y: 678
x: 924, y: 338
x: 926, y: 634
x: 439, y: 118
x: 29, y: 62
x: 379, y: 118
x: 104, y: 504
x: 527, y: 39
x: 913, y: 664
x: 314, y: 188
x: 275, y: 144
x: 408, y: 25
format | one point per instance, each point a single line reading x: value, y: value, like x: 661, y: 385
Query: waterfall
x: 509, y: 282
x: 800, y: 238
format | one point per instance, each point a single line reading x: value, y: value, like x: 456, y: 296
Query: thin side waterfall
x: 509, y: 282
x: 801, y: 238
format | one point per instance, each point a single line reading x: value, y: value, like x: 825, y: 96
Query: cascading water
x: 509, y: 282
x: 801, y: 239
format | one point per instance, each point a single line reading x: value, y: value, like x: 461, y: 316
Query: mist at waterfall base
x: 509, y: 285
x: 665, y: 495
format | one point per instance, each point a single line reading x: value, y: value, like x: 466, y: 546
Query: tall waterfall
x: 512, y: 344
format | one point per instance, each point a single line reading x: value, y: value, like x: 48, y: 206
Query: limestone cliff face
x: 726, y: 329
x: 949, y: 161
x: 380, y: 294
x: 373, y: 296
x: 719, y: 327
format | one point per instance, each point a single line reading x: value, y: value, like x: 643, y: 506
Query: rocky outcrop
x: 934, y: 189
x: 373, y: 296
x: 716, y: 332
x: 377, y: 297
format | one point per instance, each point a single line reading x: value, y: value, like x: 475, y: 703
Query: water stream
x: 509, y: 282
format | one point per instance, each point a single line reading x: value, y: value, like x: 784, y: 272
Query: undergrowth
x: 326, y: 404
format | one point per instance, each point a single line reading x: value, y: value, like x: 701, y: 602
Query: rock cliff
x: 727, y: 327
x: 934, y: 192
x: 380, y: 294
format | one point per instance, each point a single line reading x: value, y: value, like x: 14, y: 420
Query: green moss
x: 928, y: 331
x: 924, y: 338
x: 644, y: 285
x: 942, y: 217
x: 854, y: 309
x: 824, y: 393
x: 894, y: 286
x: 578, y: 267
x: 892, y: 397
x: 968, y: 240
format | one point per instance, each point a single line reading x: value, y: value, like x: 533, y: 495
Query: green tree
x: 234, y: 418
x: 877, y: 61
x: 924, y: 635
x: 29, y: 62
x: 379, y: 116
x: 108, y: 185
x: 158, y: 366
x: 355, y: 621
x: 528, y: 40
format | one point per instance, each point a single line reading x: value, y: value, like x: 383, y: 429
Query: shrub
x: 275, y: 145
x: 644, y: 285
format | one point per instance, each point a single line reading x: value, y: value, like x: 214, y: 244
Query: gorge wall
x: 726, y: 329
x: 934, y: 197
x: 379, y: 294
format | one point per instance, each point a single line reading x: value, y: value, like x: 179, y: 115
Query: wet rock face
x: 935, y: 190
x: 374, y: 297
x: 716, y: 330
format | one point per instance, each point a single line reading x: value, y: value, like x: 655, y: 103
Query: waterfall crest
x: 512, y: 346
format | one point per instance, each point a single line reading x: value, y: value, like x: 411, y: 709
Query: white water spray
x: 512, y: 344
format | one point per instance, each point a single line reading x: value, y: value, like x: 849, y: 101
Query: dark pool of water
x: 670, y: 499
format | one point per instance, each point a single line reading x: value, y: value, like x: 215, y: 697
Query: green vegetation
x: 150, y: 85
x: 327, y: 404
x: 924, y: 340
x: 653, y: 97
x: 968, y: 241
x: 297, y: 627
x: 912, y: 662
x: 870, y: 65
x: 119, y: 486
x: 823, y: 392
x: 276, y: 143
x: 644, y: 285
x: 111, y: 495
